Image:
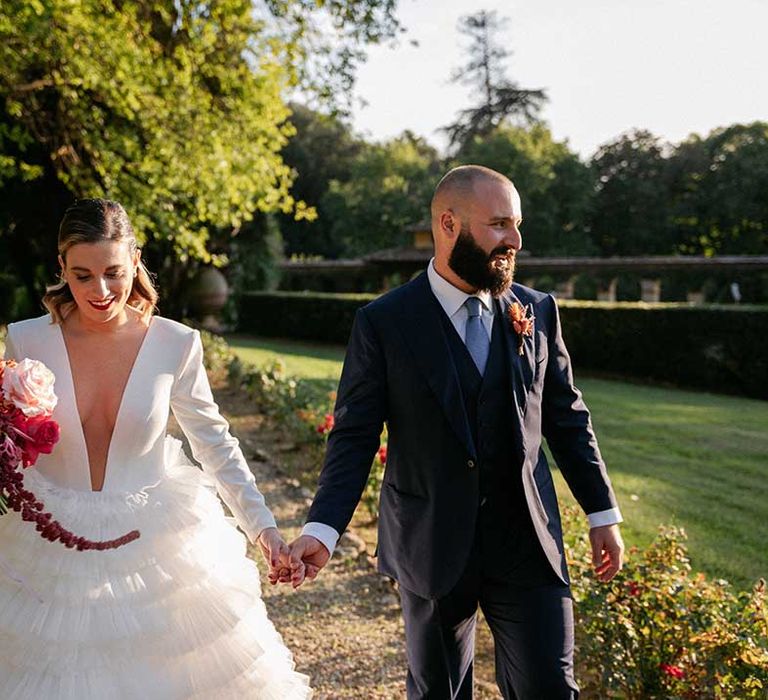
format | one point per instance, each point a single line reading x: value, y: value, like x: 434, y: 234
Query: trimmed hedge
x: 300, y: 315
x: 719, y: 348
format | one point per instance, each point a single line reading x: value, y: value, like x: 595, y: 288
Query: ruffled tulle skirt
x: 175, y: 615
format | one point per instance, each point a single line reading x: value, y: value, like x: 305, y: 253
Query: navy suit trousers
x: 528, y: 609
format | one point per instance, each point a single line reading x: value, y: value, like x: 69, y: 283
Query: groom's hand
x: 607, y: 551
x: 276, y: 554
x: 308, y: 556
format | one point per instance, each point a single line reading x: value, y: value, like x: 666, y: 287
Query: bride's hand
x: 276, y: 554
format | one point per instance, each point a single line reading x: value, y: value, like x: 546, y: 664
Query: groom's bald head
x: 457, y: 189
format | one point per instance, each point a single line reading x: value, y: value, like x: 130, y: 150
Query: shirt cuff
x: 325, y: 533
x: 612, y: 516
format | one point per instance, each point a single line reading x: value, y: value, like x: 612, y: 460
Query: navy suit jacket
x: 399, y: 369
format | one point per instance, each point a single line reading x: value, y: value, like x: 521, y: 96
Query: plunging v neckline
x: 84, y: 444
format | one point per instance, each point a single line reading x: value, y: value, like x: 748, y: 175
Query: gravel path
x: 345, y: 628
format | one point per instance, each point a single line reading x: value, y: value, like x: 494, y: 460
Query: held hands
x: 302, y: 560
x: 307, y: 556
x: 276, y: 554
x: 607, y: 551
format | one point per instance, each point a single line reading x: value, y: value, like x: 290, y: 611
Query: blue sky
x: 670, y: 66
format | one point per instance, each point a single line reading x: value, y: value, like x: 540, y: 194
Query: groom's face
x: 484, y: 252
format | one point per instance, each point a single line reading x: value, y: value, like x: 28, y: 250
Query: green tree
x: 554, y: 184
x: 323, y: 149
x: 718, y: 191
x: 327, y: 40
x: 390, y: 187
x: 631, y: 207
x: 175, y: 109
x: 499, y: 99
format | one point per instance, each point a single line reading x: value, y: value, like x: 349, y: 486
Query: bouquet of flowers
x: 27, y: 401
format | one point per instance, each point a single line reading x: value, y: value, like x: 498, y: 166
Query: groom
x: 469, y: 372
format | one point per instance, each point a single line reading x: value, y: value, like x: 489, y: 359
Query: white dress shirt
x: 452, y: 300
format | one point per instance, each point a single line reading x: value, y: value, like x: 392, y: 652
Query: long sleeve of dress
x: 11, y: 352
x: 214, y: 447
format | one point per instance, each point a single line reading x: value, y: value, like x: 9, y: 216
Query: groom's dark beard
x: 470, y: 262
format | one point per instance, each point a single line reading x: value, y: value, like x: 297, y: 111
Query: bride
x: 177, y: 613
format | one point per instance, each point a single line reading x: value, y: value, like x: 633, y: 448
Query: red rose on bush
x: 382, y: 454
x: 327, y: 425
x: 674, y: 671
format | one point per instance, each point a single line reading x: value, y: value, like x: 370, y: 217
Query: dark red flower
x: 327, y: 425
x: 382, y: 454
x: 36, y: 435
x: 673, y: 671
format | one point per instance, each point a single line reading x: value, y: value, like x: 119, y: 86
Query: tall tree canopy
x: 631, y: 209
x: 499, y: 98
x: 390, y: 187
x: 719, y: 191
x: 322, y: 150
x: 175, y: 109
x: 555, y: 186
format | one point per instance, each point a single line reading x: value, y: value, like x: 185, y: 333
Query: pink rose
x: 29, y: 387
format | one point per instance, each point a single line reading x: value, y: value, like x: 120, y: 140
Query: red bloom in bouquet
x: 40, y: 435
x: 27, y: 430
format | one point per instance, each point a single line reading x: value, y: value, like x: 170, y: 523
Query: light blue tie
x: 477, y: 340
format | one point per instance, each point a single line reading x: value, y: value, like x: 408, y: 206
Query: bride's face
x: 100, y: 277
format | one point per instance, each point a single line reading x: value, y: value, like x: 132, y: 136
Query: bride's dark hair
x: 92, y: 221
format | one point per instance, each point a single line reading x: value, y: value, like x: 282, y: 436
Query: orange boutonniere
x: 522, y: 319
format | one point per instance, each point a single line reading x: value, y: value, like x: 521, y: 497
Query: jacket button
x: 471, y: 463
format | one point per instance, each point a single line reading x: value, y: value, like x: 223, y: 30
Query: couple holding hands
x: 467, y: 369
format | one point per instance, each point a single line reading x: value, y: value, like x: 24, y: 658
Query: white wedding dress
x: 176, y: 614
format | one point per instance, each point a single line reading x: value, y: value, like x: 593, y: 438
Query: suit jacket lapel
x: 521, y: 367
x: 423, y: 331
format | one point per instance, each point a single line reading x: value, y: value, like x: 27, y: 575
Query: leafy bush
x: 658, y: 630
x: 304, y: 409
x: 217, y: 355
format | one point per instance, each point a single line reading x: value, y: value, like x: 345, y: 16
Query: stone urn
x: 208, y: 293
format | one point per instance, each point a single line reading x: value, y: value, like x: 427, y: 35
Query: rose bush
x: 304, y: 408
x: 659, y: 630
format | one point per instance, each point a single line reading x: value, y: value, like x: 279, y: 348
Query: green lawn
x: 312, y: 361
x: 692, y: 459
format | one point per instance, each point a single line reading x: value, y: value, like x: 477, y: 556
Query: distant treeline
x: 637, y: 195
